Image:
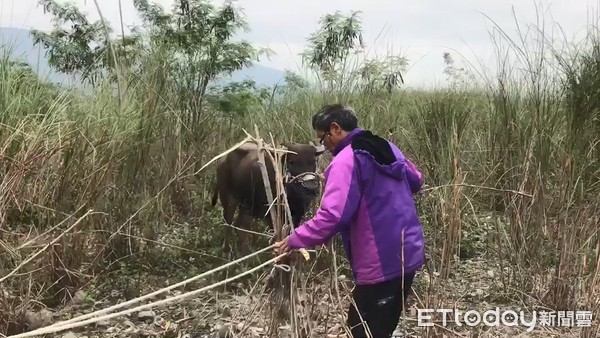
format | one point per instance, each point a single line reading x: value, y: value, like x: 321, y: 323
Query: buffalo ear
x: 286, y: 147
x: 320, y: 149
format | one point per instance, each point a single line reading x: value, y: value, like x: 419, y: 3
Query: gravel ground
x: 245, y: 313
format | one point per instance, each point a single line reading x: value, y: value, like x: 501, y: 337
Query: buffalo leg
x: 228, y: 202
x: 229, y: 206
x: 243, y: 222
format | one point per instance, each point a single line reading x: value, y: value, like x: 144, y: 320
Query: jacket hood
x: 346, y: 141
x: 380, y: 151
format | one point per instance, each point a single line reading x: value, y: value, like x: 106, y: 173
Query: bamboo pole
x: 284, y: 281
x: 265, y: 175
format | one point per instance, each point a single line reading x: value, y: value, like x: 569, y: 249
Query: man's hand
x: 282, y: 247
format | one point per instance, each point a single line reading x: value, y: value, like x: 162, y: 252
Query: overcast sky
x: 421, y: 30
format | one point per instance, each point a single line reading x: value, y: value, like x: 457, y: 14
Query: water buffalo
x: 240, y: 186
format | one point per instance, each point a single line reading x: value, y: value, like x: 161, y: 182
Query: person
x: 368, y: 198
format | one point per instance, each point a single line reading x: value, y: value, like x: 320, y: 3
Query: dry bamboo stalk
x: 272, y: 212
x: 287, y: 219
x: 265, y: 176
x: 297, y: 322
x: 520, y: 193
x: 46, y: 247
x: 283, y: 197
x: 222, y: 155
x: 280, y: 191
x: 279, y: 218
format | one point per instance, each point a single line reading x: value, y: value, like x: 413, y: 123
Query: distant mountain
x: 262, y: 75
x: 20, y: 44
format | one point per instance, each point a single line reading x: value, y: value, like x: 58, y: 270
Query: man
x: 368, y: 198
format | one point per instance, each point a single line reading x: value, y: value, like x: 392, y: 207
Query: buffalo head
x: 239, y: 184
x: 300, y: 168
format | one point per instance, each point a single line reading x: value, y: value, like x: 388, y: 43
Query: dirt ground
x: 244, y: 308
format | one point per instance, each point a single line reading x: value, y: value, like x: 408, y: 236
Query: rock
x: 240, y: 326
x: 398, y: 333
x: 491, y: 273
x: 131, y: 329
x: 146, y: 316
x: 224, y: 332
x: 240, y: 299
x: 221, y: 331
x: 36, y: 320
x: 426, y: 279
x: 225, y: 312
x: 79, y: 297
x: 103, y: 323
x: 69, y: 335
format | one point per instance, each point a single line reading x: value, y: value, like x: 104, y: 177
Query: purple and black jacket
x: 380, y: 227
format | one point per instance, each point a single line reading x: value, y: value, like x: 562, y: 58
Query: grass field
x: 511, y: 207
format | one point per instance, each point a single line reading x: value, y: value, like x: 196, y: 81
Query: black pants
x: 380, y: 306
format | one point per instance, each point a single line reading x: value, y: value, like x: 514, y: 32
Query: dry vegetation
x: 511, y: 208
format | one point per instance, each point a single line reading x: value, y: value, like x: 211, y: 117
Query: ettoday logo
x: 496, y: 317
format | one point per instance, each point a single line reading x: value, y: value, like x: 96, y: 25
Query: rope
x: 248, y: 231
x: 283, y: 267
x: 54, y: 329
x: 135, y: 300
x: 290, y: 178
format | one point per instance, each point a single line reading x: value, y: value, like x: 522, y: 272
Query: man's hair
x: 338, y: 113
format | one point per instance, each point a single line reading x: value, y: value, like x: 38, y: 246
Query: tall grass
x: 523, y: 150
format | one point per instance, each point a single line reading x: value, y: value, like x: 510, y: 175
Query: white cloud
x: 422, y: 30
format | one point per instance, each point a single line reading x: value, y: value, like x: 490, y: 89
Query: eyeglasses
x: 325, y: 134
x: 323, y: 137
